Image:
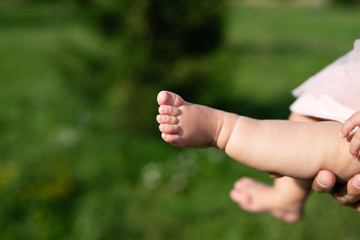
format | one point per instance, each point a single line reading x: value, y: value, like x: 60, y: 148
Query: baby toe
x: 171, y: 138
x: 169, y: 110
x: 169, y: 128
x: 166, y: 119
x: 169, y: 98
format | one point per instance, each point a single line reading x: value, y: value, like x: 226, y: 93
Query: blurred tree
x: 148, y: 45
x: 347, y: 2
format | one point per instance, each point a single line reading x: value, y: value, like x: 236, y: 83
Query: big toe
x: 169, y: 98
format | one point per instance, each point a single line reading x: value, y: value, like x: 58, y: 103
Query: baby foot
x: 184, y: 124
x: 254, y: 196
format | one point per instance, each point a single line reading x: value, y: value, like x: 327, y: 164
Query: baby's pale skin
x: 295, y: 149
x: 291, y: 148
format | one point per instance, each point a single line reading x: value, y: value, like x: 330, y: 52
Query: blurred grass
x: 69, y: 173
x: 278, y: 48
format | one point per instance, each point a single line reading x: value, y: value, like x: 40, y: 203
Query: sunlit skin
x: 290, y: 148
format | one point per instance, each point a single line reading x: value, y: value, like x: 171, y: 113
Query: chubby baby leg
x: 283, y: 200
x: 290, y: 148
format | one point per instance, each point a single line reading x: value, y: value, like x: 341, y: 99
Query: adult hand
x: 347, y: 193
x: 349, y: 130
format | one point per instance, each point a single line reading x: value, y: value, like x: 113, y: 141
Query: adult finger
x: 350, y: 124
x: 355, y: 145
x: 349, y: 194
x: 324, y: 181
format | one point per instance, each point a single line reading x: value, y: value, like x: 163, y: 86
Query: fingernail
x: 342, y: 135
x: 355, y: 129
x: 319, y: 179
x: 352, y: 156
x: 356, y: 182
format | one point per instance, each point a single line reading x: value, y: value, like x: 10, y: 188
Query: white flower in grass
x: 66, y: 137
x: 151, y: 176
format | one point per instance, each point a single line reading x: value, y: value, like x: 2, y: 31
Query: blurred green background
x: 80, y: 153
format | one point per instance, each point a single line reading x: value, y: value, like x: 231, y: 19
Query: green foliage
x: 347, y: 2
x: 68, y: 171
x: 146, y: 46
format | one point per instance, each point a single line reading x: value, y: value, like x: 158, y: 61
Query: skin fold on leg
x: 284, y: 200
x: 293, y: 148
